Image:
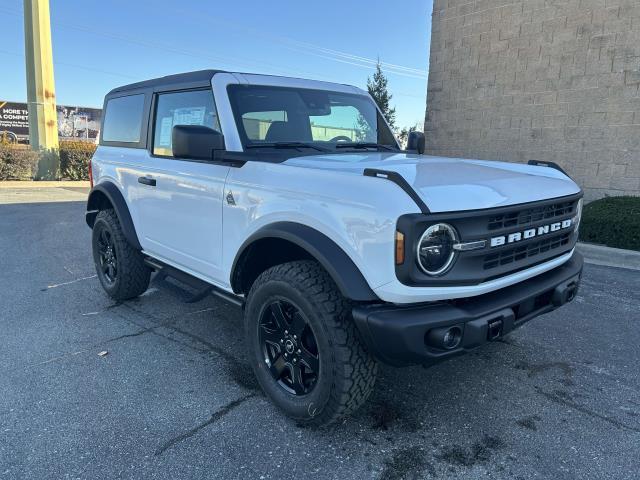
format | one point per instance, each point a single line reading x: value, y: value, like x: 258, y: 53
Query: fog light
x: 452, y: 338
x: 445, y: 338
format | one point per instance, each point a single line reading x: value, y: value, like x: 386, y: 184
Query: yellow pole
x: 41, y: 97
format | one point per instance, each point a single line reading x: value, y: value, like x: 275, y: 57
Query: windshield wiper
x: 288, y: 145
x: 365, y: 145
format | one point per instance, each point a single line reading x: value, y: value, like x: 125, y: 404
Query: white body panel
x: 179, y: 220
x: 455, y: 184
x: 185, y: 220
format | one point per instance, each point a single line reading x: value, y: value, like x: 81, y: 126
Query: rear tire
x: 318, y: 333
x: 120, y: 267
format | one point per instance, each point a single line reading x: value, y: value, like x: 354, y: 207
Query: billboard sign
x: 74, y: 123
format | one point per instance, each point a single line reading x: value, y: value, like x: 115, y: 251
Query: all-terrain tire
x: 132, y: 274
x: 347, y: 370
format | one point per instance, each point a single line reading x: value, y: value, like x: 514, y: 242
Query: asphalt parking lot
x: 174, y: 397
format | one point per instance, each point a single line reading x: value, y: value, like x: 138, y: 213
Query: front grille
x: 529, y: 250
x: 523, y: 218
x: 473, y: 267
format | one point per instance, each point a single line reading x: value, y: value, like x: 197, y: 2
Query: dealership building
x: 527, y: 80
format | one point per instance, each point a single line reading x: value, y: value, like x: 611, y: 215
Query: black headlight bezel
x: 453, y: 236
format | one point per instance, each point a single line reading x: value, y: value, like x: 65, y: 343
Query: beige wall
x: 533, y: 79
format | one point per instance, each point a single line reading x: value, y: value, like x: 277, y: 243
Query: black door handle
x: 147, y: 181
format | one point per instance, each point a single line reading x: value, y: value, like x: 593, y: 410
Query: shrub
x: 17, y: 162
x: 612, y: 221
x: 74, y: 159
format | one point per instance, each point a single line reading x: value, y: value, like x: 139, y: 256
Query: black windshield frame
x: 384, y: 134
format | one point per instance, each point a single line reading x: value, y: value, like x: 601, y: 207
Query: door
x: 179, y: 201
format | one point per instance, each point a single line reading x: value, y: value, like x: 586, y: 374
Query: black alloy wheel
x: 107, y: 256
x: 305, y: 348
x: 289, y: 347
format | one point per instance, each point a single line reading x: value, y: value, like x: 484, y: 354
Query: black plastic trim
x: 399, y: 180
x: 471, y: 226
x: 397, y: 334
x: 545, y: 163
x: 333, y: 259
x: 202, y: 287
x: 113, y: 194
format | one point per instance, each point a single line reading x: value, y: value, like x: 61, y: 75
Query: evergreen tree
x: 377, y: 87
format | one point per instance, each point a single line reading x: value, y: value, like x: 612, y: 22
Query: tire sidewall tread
x: 348, y: 371
x: 133, y: 274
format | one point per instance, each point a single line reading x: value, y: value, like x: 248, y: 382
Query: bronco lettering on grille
x: 530, y: 233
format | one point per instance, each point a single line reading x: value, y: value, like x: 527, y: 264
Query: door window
x: 194, y: 107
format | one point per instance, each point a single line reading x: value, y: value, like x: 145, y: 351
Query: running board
x: 202, y: 288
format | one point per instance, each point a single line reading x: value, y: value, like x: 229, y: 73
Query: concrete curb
x: 610, y: 257
x: 44, y: 184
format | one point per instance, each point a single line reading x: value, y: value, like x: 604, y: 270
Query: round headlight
x: 435, y: 249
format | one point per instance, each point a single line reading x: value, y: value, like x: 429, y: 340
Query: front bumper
x: 398, y: 335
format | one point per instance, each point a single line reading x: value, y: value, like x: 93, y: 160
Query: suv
x: 292, y: 199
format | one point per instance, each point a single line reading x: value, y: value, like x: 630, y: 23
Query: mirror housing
x: 416, y: 142
x: 195, y: 141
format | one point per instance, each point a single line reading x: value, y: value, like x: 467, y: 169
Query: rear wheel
x: 305, y: 349
x: 120, y: 267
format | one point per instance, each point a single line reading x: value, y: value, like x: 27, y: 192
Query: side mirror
x: 195, y: 141
x: 416, y: 142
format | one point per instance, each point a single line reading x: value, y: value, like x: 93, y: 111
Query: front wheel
x: 305, y: 348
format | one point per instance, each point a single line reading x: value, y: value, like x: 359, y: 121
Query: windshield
x: 276, y: 117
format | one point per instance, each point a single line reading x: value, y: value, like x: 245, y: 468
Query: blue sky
x: 98, y: 45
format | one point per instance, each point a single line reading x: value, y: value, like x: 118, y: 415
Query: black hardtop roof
x: 199, y: 76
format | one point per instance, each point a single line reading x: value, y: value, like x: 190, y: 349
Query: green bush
x: 612, y: 221
x: 17, y: 162
x: 74, y: 159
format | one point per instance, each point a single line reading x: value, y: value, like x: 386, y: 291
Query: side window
x: 182, y: 108
x: 256, y: 124
x: 123, y: 119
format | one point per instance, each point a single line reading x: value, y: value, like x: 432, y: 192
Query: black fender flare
x: 332, y: 257
x: 117, y: 201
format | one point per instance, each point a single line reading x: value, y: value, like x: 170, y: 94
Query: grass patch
x: 612, y: 221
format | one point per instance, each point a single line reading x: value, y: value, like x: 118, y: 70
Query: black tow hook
x: 565, y: 293
x: 494, y: 329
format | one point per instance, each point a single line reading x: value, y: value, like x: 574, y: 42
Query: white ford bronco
x: 292, y: 199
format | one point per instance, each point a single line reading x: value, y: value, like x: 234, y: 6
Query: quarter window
x: 182, y: 108
x: 123, y: 119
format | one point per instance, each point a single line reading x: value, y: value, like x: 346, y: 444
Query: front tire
x: 304, y: 346
x: 120, y: 267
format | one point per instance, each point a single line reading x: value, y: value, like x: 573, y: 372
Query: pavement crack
x: 567, y: 402
x: 237, y: 369
x: 214, y: 418
x: 56, y: 285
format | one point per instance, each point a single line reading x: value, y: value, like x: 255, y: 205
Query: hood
x: 454, y: 184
